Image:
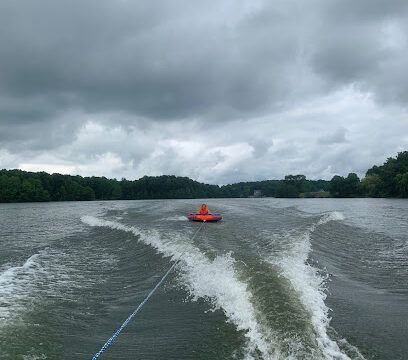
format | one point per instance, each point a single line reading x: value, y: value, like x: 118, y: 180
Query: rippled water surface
x: 276, y: 279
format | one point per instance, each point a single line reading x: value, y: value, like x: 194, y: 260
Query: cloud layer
x: 221, y: 92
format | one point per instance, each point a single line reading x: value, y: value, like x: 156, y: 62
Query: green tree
x: 287, y: 190
x: 352, y: 184
x: 402, y: 184
x: 371, y: 186
x: 9, y: 188
x: 116, y: 191
x: 337, y: 186
x: 345, y: 187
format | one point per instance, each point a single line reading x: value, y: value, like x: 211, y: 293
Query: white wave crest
x: 15, y: 285
x: 331, y: 216
x: 213, y: 280
x: 44, y: 274
x: 325, y: 218
x: 310, y: 285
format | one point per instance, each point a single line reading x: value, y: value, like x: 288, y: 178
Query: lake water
x: 276, y: 279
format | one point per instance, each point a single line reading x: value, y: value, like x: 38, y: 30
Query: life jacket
x: 204, y: 209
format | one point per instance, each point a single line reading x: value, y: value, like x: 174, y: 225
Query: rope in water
x: 127, y: 321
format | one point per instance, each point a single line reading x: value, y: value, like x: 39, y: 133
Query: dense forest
x: 22, y: 186
x: 388, y: 180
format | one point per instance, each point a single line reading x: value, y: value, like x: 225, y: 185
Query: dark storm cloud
x: 155, y: 60
x: 162, y: 60
x: 365, y: 9
x: 125, y: 85
x: 175, y: 59
x: 364, y: 42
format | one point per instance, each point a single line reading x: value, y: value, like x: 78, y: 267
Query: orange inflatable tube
x: 204, y: 217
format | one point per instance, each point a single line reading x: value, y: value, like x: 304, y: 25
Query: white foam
x: 213, y: 280
x: 15, y: 285
x: 46, y: 273
x: 307, y: 281
x: 34, y: 357
x: 176, y: 218
x: 331, y: 216
x: 217, y: 282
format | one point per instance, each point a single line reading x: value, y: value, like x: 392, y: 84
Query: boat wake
x: 218, y: 281
x: 215, y: 281
x: 16, y: 283
x: 309, y: 283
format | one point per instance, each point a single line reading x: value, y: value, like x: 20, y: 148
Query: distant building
x: 257, y: 193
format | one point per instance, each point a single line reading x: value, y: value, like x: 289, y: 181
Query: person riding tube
x: 204, y: 209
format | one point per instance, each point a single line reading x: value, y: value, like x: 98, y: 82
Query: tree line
x: 23, y: 186
x: 388, y: 180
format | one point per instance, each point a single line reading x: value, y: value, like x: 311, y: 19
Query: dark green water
x: 276, y: 279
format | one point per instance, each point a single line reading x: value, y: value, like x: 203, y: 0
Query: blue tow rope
x: 127, y: 321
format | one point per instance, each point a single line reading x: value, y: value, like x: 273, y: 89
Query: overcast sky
x: 219, y: 91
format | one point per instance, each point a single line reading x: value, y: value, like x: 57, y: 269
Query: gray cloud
x: 338, y: 136
x: 364, y: 43
x: 165, y: 60
x: 254, y: 90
